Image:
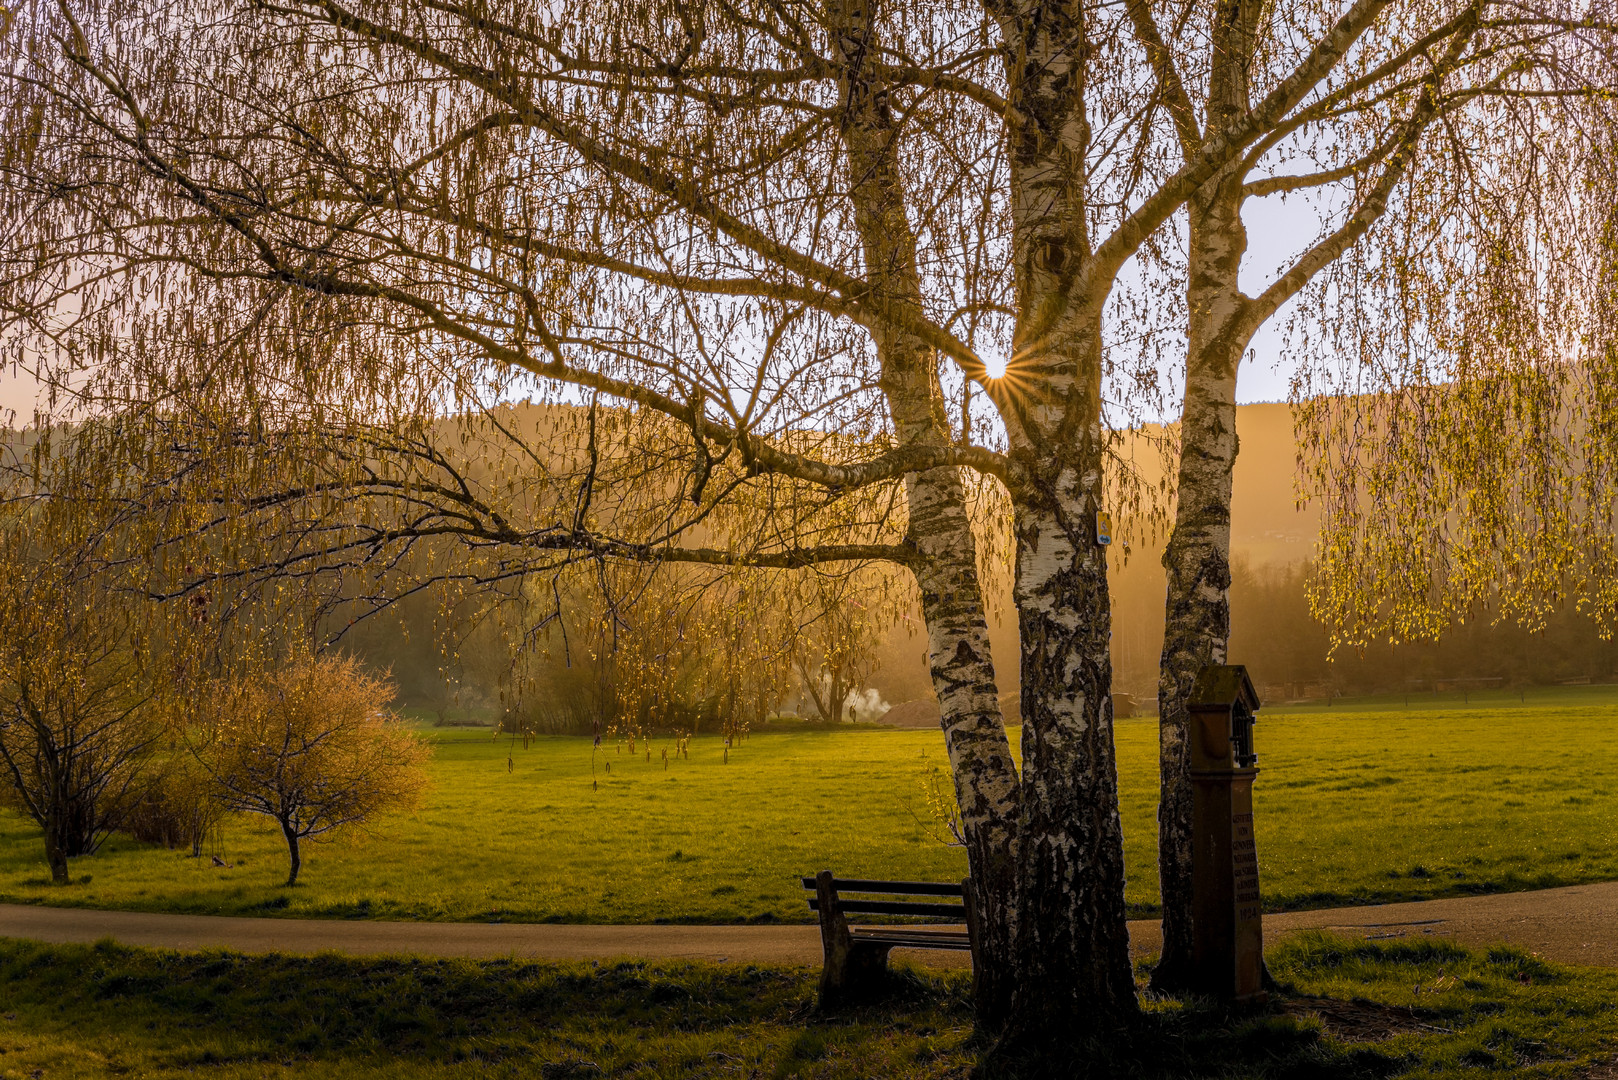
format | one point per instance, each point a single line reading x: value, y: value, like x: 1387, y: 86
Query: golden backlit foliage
x: 551, y: 512
x: 559, y: 548
x: 1457, y: 392
x: 1486, y: 496
x: 312, y: 747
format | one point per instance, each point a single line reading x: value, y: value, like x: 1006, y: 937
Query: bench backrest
x: 890, y: 888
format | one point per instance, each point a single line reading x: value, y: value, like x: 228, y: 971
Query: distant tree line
x: 1288, y: 651
x: 1285, y: 648
x: 621, y: 650
x: 118, y: 714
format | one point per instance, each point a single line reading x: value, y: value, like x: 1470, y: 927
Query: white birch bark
x: 1222, y: 322
x: 959, y: 661
x: 1196, y: 627
x: 1072, y: 946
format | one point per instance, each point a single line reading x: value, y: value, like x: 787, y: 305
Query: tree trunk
x: 55, y: 854
x: 1073, y: 968
x: 962, y: 670
x: 60, y: 821
x: 1196, y: 623
x: 1196, y: 631
x: 986, y: 785
x: 1072, y: 945
x: 292, y: 851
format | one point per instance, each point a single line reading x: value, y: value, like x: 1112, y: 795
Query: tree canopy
x: 835, y: 267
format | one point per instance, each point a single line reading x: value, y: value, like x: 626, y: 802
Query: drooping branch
x: 699, y: 205
x: 837, y: 477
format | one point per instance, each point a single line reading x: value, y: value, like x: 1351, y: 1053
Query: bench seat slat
x: 900, y: 943
x: 894, y: 907
x: 891, y: 888
x: 961, y: 945
x: 910, y: 932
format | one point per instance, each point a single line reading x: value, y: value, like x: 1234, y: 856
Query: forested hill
x: 1267, y: 527
x: 1272, y: 543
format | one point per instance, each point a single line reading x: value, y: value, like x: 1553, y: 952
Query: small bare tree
x: 312, y: 747
x: 78, y: 710
x: 836, y: 653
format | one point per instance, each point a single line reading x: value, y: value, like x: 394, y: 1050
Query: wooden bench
x: 857, y: 956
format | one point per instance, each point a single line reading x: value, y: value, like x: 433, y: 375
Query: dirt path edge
x: 1577, y: 924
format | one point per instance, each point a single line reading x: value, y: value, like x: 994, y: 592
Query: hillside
x: 1271, y: 629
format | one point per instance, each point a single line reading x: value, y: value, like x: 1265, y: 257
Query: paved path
x: 1577, y: 924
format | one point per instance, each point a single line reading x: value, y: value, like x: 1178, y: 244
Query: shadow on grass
x: 1363, y: 1009
x: 1198, y: 1040
x: 332, y: 1015
x: 1348, y: 1010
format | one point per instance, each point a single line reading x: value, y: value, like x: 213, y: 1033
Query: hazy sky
x: 17, y: 392
x: 1277, y: 233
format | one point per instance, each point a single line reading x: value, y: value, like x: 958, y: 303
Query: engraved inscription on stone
x: 1244, y: 853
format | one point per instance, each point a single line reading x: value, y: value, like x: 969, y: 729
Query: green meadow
x: 1362, y: 802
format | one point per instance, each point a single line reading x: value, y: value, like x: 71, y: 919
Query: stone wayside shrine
x: 1227, y: 935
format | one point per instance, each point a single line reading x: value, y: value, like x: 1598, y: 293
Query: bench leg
x: 855, y: 970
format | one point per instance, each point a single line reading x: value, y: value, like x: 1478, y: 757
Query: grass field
x: 1349, y: 1011
x: 1363, y: 802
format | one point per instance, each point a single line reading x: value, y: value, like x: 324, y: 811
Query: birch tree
x: 1439, y: 117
